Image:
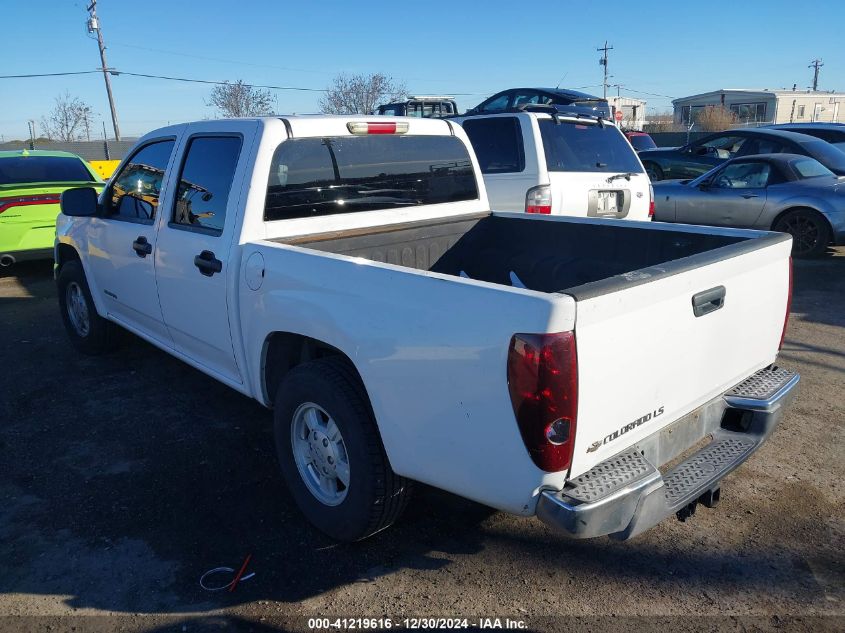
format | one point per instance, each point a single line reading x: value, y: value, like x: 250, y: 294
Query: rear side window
x: 26, y: 169
x: 205, y: 182
x: 810, y: 168
x: 586, y: 147
x: 136, y: 189
x: 312, y: 177
x: 497, y: 143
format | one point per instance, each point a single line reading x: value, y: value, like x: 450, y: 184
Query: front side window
x: 743, y: 176
x: 312, y: 177
x: 587, y: 148
x: 497, y: 143
x: 725, y: 146
x: 135, y: 192
x: 206, y: 181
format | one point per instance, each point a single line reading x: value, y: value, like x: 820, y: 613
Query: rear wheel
x: 653, y: 171
x: 809, y: 230
x: 331, y: 453
x: 88, y: 331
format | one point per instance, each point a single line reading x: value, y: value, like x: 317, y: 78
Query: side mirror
x: 81, y: 202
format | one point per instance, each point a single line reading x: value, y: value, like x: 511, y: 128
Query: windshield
x: 326, y: 176
x: 28, y: 169
x: 587, y: 147
x: 810, y: 168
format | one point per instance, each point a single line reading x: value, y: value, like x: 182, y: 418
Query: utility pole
x: 94, y: 26
x: 815, y: 65
x: 603, y: 62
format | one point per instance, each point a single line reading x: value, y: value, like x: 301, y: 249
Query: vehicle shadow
x: 815, y: 283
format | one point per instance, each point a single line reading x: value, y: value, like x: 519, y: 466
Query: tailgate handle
x: 708, y: 301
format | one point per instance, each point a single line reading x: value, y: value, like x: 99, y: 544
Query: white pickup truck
x: 348, y: 273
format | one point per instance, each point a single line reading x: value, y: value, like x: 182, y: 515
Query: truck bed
x: 666, y: 316
x: 581, y: 258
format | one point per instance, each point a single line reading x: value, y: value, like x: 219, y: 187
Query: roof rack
x: 553, y: 109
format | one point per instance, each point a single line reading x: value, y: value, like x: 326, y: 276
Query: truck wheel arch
x: 64, y: 254
x: 282, y: 351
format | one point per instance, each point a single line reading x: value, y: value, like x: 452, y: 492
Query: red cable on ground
x: 240, y: 573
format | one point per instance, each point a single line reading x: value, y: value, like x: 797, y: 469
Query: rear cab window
x: 586, y: 147
x: 311, y: 177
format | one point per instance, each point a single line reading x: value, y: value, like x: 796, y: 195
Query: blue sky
x: 665, y: 48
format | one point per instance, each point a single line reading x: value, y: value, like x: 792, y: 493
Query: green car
x: 31, y: 182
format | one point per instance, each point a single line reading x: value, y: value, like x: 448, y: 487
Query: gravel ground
x: 123, y: 478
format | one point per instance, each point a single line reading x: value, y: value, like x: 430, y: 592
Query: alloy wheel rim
x: 804, y: 232
x: 320, y: 454
x: 77, y: 309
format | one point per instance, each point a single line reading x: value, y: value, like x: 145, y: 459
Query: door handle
x: 207, y: 263
x: 708, y: 301
x: 142, y: 247
x: 750, y: 195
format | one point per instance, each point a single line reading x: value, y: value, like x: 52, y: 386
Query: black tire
x: 653, y: 171
x: 98, y: 336
x: 809, y: 230
x: 375, y: 496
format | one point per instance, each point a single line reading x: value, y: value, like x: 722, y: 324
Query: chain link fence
x: 89, y: 150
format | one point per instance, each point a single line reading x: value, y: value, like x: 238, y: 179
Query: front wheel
x: 88, y: 331
x: 809, y: 230
x: 331, y: 454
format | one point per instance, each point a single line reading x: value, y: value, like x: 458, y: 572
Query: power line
x: 81, y: 72
x: 219, y: 83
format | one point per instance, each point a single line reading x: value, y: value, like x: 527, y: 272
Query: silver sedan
x: 780, y: 192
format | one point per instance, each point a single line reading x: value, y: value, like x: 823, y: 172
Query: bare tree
x: 69, y: 120
x: 239, y: 100
x: 714, y: 119
x: 360, y: 94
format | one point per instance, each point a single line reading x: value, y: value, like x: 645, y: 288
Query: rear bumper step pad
x: 626, y: 494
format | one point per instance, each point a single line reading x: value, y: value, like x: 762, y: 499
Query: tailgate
x: 589, y: 194
x: 645, y: 359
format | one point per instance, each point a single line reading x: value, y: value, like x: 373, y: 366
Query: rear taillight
x: 389, y: 127
x: 788, y: 306
x: 543, y: 385
x: 539, y: 200
x: 650, y: 201
x: 25, y: 201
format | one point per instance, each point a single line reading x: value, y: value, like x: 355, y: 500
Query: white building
x: 767, y: 106
x: 633, y: 112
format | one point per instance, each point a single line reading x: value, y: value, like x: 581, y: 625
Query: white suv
x: 558, y: 163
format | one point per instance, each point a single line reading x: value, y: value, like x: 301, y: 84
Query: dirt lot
x: 124, y: 478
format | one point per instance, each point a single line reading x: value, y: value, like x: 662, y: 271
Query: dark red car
x: 640, y: 140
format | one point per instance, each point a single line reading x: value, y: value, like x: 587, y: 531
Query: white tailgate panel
x: 642, y: 348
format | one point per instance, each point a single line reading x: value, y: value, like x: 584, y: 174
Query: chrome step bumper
x: 626, y: 494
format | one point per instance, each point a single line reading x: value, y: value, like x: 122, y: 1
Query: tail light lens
x: 650, y: 201
x: 788, y: 307
x: 25, y: 201
x: 543, y: 385
x: 539, y: 200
